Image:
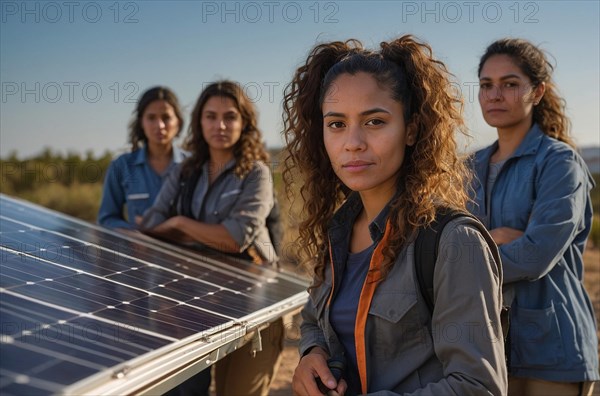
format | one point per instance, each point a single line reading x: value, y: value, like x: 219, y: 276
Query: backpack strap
x: 427, y: 244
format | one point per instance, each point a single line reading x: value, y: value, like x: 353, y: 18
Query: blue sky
x: 70, y: 72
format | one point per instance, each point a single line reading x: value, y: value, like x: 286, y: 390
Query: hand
x: 313, y: 365
x: 138, y: 220
x: 503, y: 235
x: 171, y: 229
x: 170, y: 225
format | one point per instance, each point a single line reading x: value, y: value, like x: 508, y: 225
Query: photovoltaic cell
x: 78, y: 301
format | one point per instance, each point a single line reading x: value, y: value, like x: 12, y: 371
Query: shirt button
x: 215, y: 213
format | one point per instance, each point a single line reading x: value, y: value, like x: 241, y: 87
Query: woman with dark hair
x: 221, y: 195
x: 220, y: 198
x: 134, y: 179
x: 532, y: 191
x: 370, y: 143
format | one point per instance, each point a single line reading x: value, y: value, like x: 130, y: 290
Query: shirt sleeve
x: 467, y: 301
x: 311, y: 333
x: 250, y: 211
x: 110, y: 213
x: 161, y: 208
x: 556, y: 218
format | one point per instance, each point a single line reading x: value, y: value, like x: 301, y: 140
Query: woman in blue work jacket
x: 532, y: 190
x: 134, y: 179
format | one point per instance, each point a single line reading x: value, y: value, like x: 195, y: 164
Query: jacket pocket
x: 137, y: 203
x: 535, y: 337
x: 392, y: 306
x: 397, y: 327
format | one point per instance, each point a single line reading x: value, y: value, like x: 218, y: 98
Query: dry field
x: 592, y: 284
x: 282, y: 384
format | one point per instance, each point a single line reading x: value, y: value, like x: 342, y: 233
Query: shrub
x: 594, y: 238
x: 78, y: 200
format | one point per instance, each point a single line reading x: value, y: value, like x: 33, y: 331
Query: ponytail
x: 431, y: 174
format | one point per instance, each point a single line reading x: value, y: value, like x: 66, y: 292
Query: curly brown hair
x: 136, y: 133
x: 247, y: 150
x: 432, y: 174
x: 549, y: 114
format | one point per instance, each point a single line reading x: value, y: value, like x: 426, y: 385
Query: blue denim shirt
x: 543, y: 189
x: 130, y: 181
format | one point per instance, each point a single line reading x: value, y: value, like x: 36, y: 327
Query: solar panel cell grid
x: 77, y: 301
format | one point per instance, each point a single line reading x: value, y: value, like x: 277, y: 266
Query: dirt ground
x: 592, y: 284
x: 281, y: 386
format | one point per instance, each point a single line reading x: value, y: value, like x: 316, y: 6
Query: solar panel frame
x: 180, y: 357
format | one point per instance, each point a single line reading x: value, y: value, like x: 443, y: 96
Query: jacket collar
x: 348, y: 212
x: 531, y: 143
x: 141, y: 155
x: 229, y: 165
x: 377, y: 226
x: 529, y: 146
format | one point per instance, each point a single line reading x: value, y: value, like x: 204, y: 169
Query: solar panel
x: 85, y: 310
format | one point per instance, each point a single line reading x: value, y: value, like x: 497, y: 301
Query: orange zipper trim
x: 364, y: 303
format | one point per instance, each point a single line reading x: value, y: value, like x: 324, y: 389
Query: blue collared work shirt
x: 131, y: 182
x: 543, y: 189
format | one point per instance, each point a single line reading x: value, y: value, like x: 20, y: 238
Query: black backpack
x: 426, y: 250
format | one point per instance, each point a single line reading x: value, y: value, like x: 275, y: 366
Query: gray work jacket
x: 240, y: 205
x: 459, y: 350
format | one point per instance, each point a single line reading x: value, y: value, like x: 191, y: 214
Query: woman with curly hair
x: 134, y: 179
x: 220, y: 198
x: 370, y: 136
x: 221, y: 195
x: 532, y: 191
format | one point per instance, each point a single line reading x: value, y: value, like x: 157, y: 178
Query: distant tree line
x: 72, y: 183
x: 69, y: 183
